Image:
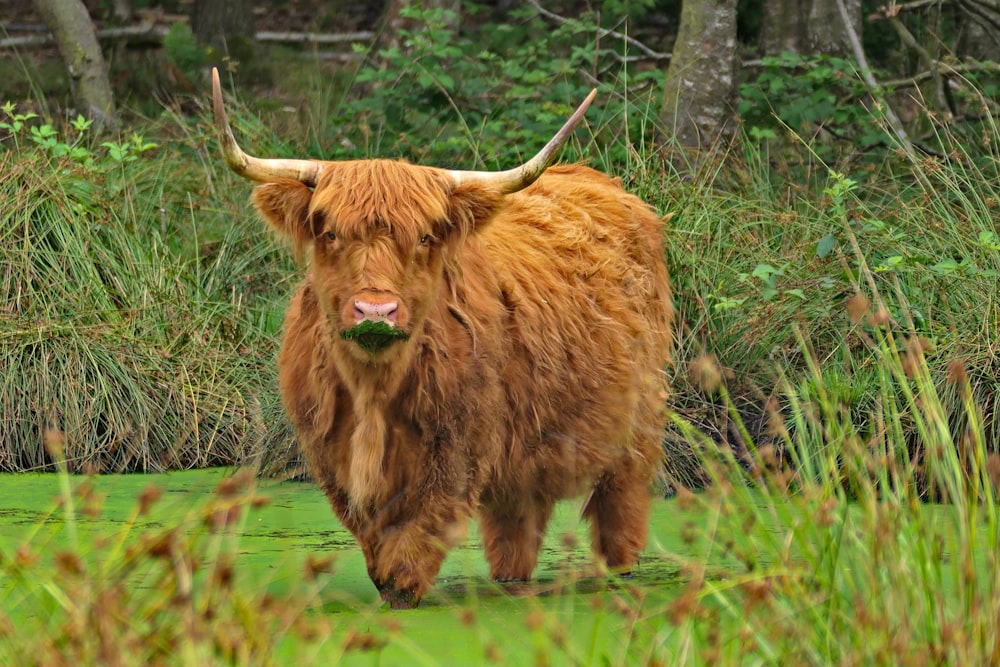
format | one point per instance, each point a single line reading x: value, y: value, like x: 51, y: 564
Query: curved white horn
x: 306, y: 171
x: 521, y: 177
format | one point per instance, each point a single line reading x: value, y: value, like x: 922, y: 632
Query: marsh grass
x: 845, y: 561
x: 146, y: 358
x: 826, y: 552
x: 762, y: 262
x: 860, y: 515
x: 148, y: 594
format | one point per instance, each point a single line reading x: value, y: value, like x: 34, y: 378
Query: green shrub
x: 813, y: 96
x: 486, y: 100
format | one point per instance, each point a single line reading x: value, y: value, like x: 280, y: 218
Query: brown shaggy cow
x: 469, y: 343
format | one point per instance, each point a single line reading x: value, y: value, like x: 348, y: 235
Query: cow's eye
x: 425, y: 239
x: 331, y: 236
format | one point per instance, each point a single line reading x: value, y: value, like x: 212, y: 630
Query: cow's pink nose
x: 376, y: 312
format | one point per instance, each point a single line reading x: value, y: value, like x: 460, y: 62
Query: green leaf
x: 946, y: 267
x: 764, y: 272
x: 81, y: 124
x: 889, y: 263
x: 727, y: 303
x: 826, y: 245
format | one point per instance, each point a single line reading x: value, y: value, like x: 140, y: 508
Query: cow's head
x: 381, y: 233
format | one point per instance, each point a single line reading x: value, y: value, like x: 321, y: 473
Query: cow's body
x: 538, y: 376
x: 537, y: 316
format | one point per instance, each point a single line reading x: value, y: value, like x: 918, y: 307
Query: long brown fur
x: 540, y: 325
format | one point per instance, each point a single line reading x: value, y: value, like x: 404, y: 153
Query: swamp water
x: 561, y: 615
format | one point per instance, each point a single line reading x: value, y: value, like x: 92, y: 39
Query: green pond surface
x: 516, y: 624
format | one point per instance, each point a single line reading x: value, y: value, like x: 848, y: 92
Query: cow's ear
x: 285, y: 206
x: 471, y: 206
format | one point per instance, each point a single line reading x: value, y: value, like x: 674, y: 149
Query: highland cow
x: 470, y: 344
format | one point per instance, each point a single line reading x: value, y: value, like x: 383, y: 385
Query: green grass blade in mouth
x: 373, y: 336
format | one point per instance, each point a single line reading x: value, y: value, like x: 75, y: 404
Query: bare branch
x: 876, y: 90
x: 930, y: 63
x: 895, y: 9
x: 959, y: 69
x: 313, y: 37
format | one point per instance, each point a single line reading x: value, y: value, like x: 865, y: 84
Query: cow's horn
x: 306, y: 171
x: 521, y: 177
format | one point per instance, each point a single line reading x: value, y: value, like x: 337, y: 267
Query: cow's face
x: 381, y: 234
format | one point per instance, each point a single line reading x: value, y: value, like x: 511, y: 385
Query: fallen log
x: 155, y: 32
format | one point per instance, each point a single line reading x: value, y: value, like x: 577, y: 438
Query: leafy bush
x: 478, y: 102
x: 810, y: 95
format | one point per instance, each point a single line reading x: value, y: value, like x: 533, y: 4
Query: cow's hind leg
x: 618, y: 511
x: 513, y: 538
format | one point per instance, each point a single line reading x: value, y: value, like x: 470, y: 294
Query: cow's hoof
x: 401, y: 599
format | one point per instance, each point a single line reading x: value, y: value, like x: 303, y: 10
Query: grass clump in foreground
x: 146, y: 594
x: 842, y: 559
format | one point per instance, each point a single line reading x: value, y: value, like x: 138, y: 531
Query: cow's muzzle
x: 376, y: 311
x: 375, y: 325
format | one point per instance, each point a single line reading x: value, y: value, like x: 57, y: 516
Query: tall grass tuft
x: 142, y: 356
x: 837, y: 556
x: 860, y: 524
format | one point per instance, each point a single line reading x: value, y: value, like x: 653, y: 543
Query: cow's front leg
x: 410, y: 553
x: 365, y: 529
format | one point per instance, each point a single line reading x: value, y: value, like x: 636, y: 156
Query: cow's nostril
x: 376, y: 312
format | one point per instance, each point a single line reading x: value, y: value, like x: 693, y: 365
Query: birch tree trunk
x: 807, y: 27
x: 700, y: 88
x: 76, y: 38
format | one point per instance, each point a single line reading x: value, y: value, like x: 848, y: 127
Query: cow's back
x: 579, y: 267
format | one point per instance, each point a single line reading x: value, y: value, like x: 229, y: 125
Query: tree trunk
x: 784, y: 27
x: 827, y: 33
x: 76, y: 39
x: 226, y: 28
x: 700, y: 87
x: 121, y: 11
x: 979, y: 37
x: 808, y: 27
